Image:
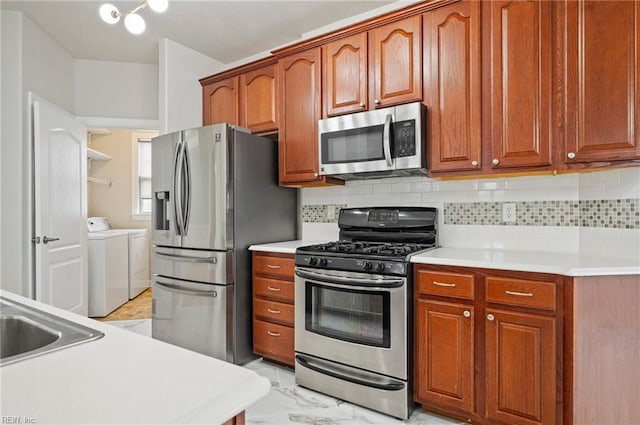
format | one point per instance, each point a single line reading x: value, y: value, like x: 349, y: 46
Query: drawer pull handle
x: 273, y: 311
x: 273, y: 333
x: 448, y: 285
x: 519, y: 294
x: 271, y: 288
x: 490, y: 317
x: 271, y: 266
x: 466, y: 313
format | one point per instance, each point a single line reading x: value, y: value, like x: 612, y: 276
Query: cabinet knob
x: 571, y: 155
x: 377, y: 101
x: 362, y: 104
x: 495, y: 162
x: 490, y: 317
x: 315, y: 174
x: 474, y: 163
x: 466, y: 313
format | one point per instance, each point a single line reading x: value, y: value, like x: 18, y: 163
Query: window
x: 141, y: 175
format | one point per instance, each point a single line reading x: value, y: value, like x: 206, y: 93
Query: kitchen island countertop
x: 531, y: 261
x: 124, y: 378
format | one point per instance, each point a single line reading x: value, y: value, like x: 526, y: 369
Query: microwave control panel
x: 404, y: 138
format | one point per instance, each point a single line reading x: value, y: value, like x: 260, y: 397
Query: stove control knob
x: 313, y: 261
x: 322, y: 262
x: 367, y: 265
x: 380, y: 267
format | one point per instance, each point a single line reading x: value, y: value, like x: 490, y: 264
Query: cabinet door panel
x: 603, y: 81
x: 521, y: 83
x: 396, y: 59
x: 520, y: 368
x: 452, y: 43
x: 220, y: 102
x: 300, y: 102
x: 345, y: 75
x: 258, y: 106
x: 444, y: 347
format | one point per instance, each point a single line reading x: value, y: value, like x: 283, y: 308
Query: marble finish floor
x: 288, y: 403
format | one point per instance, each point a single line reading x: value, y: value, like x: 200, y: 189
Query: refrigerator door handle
x: 187, y: 291
x: 177, y: 188
x: 187, y: 186
x: 188, y: 258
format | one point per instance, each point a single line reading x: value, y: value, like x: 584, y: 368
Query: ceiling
x: 223, y: 30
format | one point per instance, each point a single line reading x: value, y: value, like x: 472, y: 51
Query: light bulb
x: 158, y: 5
x: 109, y: 13
x: 134, y: 23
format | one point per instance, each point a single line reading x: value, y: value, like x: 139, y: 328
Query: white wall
x: 180, y: 92
x: 11, y: 150
x: 31, y: 61
x: 116, y: 89
x: 47, y: 68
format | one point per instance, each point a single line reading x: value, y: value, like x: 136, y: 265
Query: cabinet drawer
x: 445, y: 284
x: 278, y: 290
x: 273, y: 311
x: 273, y: 341
x: 521, y: 292
x: 280, y: 266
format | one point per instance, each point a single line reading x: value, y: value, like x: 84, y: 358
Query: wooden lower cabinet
x: 273, y: 310
x: 520, y: 368
x: 488, y: 345
x: 445, y: 352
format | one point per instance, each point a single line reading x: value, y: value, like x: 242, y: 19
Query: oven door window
x: 361, y: 317
x: 354, y: 145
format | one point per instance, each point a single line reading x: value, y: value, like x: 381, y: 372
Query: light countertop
x: 124, y: 378
x: 534, y: 261
x: 525, y: 261
x: 288, y: 247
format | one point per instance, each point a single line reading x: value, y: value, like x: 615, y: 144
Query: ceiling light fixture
x: 132, y: 21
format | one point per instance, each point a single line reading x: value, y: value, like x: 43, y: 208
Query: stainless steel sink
x: 26, y: 332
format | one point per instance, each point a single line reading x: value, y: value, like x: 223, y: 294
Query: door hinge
x: 35, y: 240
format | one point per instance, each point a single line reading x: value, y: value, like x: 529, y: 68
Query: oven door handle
x: 360, y: 379
x: 349, y: 281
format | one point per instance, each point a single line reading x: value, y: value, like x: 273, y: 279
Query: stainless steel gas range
x: 353, y: 307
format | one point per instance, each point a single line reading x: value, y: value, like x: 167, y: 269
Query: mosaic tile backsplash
x: 607, y: 213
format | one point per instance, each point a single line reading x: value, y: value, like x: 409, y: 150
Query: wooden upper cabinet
x: 300, y: 102
x: 220, y: 102
x: 453, y: 87
x: 345, y: 83
x: 602, y: 108
x: 258, y: 95
x: 396, y: 62
x: 521, y: 83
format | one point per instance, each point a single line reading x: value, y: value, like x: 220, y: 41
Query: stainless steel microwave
x: 380, y: 143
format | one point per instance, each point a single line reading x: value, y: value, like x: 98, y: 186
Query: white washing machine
x: 108, y: 269
x: 139, y: 276
x: 138, y: 254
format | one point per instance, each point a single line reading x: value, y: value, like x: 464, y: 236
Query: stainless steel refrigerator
x: 215, y: 192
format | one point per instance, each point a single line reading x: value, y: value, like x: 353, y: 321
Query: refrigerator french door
x: 215, y: 192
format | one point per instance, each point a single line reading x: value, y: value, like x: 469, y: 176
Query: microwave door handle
x: 386, y: 140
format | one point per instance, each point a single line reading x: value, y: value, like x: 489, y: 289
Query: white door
x: 60, y: 204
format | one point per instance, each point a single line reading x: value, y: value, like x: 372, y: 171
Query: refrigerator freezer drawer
x: 194, y: 316
x: 191, y: 264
